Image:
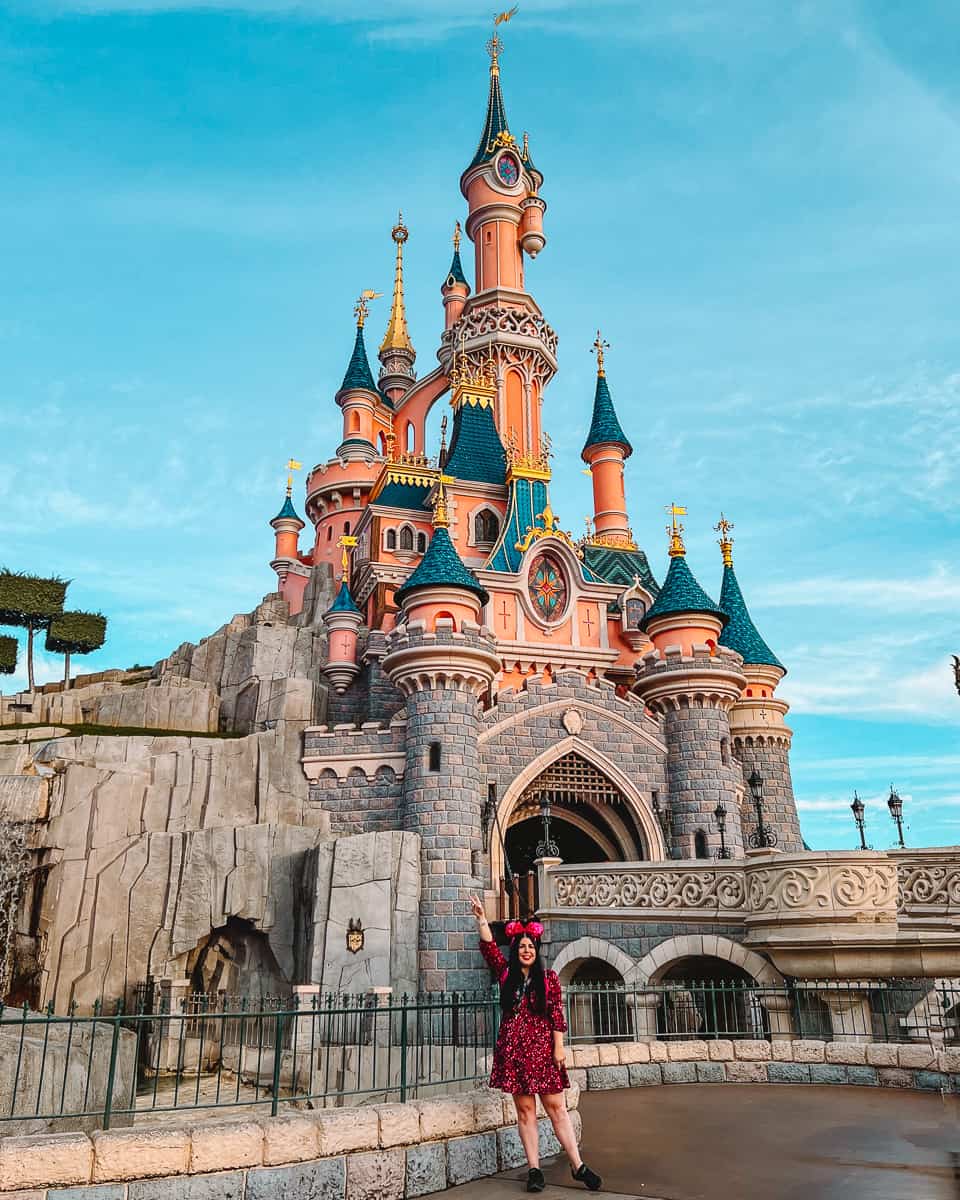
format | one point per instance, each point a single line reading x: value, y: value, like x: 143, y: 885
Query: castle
x: 447, y: 694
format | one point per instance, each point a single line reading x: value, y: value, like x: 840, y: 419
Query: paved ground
x: 776, y: 1142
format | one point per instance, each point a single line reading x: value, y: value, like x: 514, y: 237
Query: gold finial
x: 675, y: 530
x: 390, y: 444
x: 397, y: 336
x: 440, y: 519
x: 442, y: 458
x: 456, y: 238
x: 360, y: 309
x: 599, y: 346
x: 345, y: 542
x: 723, y: 527
x: 292, y: 465
x: 526, y: 145
x: 495, y: 46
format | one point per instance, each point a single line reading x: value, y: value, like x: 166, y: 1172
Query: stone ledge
x: 370, y: 1152
x: 875, y: 1064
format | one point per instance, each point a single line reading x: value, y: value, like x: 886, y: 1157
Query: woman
x: 529, y: 1058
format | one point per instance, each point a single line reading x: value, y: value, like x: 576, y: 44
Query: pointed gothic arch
x: 638, y: 806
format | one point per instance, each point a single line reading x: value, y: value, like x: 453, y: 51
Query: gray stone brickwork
x: 700, y: 772
x: 443, y: 674
x: 694, y: 694
x: 771, y: 757
x: 635, y: 939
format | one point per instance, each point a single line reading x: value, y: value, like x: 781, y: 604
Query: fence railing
x: 212, y: 1052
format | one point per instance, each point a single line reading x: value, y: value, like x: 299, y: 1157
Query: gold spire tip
x: 675, y: 530
x: 725, y: 541
x: 456, y: 237
x: 599, y: 346
x: 345, y: 542
x: 399, y: 232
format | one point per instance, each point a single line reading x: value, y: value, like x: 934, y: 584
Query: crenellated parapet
x: 419, y: 659
x: 707, y: 678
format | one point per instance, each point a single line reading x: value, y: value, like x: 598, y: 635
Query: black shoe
x: 590, y: 1179
x: 535, y: 1180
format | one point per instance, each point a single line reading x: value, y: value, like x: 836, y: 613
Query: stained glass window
x: 508, y: 169
x: 547, y: 587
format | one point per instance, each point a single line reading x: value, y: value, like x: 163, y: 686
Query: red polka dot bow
x: 532, y: 929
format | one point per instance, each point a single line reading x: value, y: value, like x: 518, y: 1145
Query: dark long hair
x: 511, y: 988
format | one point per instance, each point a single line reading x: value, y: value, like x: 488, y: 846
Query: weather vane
x: 292, y: 465
x: 599, y: 346
x: 360, y: 308
x: 495, y: 45
x: 675, y: 529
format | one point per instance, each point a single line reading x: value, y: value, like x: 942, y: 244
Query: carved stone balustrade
x: 929, y: 886
x: 825, y: 915
x: 696, y: 890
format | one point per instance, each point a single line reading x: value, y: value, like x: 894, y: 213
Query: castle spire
x: 454, y: 288
x: 605, y: 451
x: 397, y: 354
x: 740, y: 633
x: 358, y: 373
x: 681, y: 594
x: 397, y: 336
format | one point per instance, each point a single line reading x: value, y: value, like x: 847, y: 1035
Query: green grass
x: 116, y: 730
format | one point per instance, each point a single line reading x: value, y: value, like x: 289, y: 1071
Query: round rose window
x: 547, y: 588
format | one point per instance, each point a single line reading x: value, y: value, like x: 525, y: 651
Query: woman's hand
x: 559, y: 1053
x: 476, y: 907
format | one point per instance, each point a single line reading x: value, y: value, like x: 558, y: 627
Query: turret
x: 455, y: 288
x: 501, y: 186
x: 358, y: 396
x: 605, y: 451
x: 342, y: 620
x: 693, y: 683
x: 397, y: 354
x: 761, y: 738
x: 292, y: 575
x: 443, y: 662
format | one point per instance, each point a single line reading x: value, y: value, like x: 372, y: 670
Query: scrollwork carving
x: 652, y: 889
x: 928, y: 885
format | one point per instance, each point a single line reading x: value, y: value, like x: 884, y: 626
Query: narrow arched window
x: 391, y: 539
x: 329, y: 533
x: 421, y: 543
x: 700, y: 849
x: 485, y: 527
x: 346, y: 528
x: 433, y: 759
x: 406, y: 538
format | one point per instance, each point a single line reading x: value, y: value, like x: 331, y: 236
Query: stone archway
x: 576, y: 953
x: 654, y: 966
x: 645, y: 827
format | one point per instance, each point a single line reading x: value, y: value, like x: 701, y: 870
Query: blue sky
x: 756, y: 202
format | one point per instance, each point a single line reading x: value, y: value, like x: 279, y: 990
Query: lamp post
x: 763, y: 837
x: 547, y: 848
x: 858, y: 810
x: 721, y: 816
x: 664, y: 814
x: 895, y: 804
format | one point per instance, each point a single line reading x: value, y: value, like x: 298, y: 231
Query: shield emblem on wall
x: 354, y: 936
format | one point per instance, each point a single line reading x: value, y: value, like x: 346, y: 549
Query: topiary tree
x: 75, y: 633
x: 31, y: 603
x: 8, y: 655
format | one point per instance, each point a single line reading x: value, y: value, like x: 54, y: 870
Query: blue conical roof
x: 680, y: 593
x: 741, y: 633
x: 287, y: 511
x: 455, y: 274
x: 442, y: 566
x: 358, y: 369
x: 605, y: 427
x: 343, y: 601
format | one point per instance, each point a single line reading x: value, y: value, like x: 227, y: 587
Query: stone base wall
x: 378, y: 1152
x: 875, y: 1064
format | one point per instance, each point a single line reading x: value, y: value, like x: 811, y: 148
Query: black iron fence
x: 208, y: 1051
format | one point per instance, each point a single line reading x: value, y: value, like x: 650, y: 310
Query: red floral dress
x: 523, y: 1057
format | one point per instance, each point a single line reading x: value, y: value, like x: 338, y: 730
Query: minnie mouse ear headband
x: 515, y: 929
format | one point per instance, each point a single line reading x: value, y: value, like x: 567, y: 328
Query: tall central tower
x: 501, y: 322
